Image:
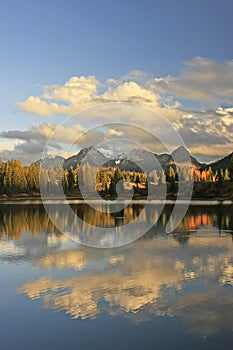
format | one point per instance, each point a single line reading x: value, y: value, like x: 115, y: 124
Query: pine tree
x: 71, y: 179
x: 203, y: 175
x: 162, y: 179
x: 19, y: 181
x: 1, y: 176
x: 117, y: 175
x: 227, y: 175
x: 112, y: 187
x: 87, y: 177
x: 153, y: 176
x: 7, y: 178
x: 210, y: 175
x: 171, y: 174
x: 32, y: 176
x: 216, y: 177
x: 43, y: 180
x: 137, y: 181
x: 65, y: 183
x: 221, y: 177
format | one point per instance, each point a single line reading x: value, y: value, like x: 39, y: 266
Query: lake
x: 162, y: 291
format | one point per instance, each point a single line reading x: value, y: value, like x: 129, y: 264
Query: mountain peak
x: 135, y: 160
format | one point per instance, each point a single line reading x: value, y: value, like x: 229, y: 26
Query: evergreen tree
x: 87, y: 177
x: 171, y: 175
x: 221, y: 176
x: 227, y: 175
x: 19, y: 181
x: 1, y: 176
x: 7, y: 178
x: 112, y: 187
x: 162, y: 179
x: 137, y: 181
x: 153, y: 176
x: 215, y: 177
x: 43, y: 179
x: 103, y: 179
x: 71, y: 179
x: 210, y: 175
x: 32, y: 177
x: 117, y: 175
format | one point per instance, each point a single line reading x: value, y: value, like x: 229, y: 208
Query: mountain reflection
x: 156, y: 276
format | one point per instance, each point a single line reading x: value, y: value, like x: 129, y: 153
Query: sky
x: 60, y: 57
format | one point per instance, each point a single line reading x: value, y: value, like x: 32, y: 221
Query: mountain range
x: 135, y: 160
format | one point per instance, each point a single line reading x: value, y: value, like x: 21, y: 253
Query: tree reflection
x: 15, y: 219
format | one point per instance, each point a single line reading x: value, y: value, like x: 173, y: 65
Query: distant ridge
x: 48, y: 161
x: 135, y: 160
x: 223, y: 163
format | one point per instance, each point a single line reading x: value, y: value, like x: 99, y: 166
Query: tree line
x: 17, y: 179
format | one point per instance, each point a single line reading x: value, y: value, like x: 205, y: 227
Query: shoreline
x: 139, y: 200
x: 202, y: 192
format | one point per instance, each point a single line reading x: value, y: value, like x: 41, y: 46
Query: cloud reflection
x: 150, y: 278
x: 186, y: 274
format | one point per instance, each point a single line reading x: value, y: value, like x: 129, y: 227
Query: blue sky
x: 48, y: 42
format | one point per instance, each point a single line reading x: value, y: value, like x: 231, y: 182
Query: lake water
x: 162, y: 291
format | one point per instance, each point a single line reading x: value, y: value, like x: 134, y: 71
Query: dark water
x: 163, y: 291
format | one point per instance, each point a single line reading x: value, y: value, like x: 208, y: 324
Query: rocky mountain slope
x: 135, y: 160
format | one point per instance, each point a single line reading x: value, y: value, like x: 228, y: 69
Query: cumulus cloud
x: 31, y: 144
x: 137, y: 76
x: 61, y: 133
x: 205, y: 134
x: 131, y: 92
x: 82, y: 92
x: 37, y: 106
x: 75, y: 94
x: 76, y: 89
x: 208, y: 135
x: 202, y: 80
x: 115, y: 132
x: 27, y: 152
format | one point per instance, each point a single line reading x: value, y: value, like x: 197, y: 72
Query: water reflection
x: 147, y: 279
x: 187, y: 274
x: 32, y: 219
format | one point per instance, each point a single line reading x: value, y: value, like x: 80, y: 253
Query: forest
x: 16, y: 179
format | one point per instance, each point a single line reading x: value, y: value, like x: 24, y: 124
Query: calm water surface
x: 164, y: 291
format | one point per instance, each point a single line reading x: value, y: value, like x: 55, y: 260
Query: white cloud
x: 115, y: 132
x: 131, y: 92
x: 75, y: 90
x: 201, y: 80
x: 42, y: 132
x: 29, y: 145
x: 7, y: 145
x: 79, y: 93
x: 75, y: 94
x: 40, y: 107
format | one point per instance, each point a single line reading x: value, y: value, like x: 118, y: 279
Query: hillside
x: 135, y: 160
x: 226, y: 162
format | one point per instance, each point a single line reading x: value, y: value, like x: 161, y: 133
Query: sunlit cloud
x: 202, y: 79
x: 75, y: 94
x: 207, y: 129
x: 29, y: 145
